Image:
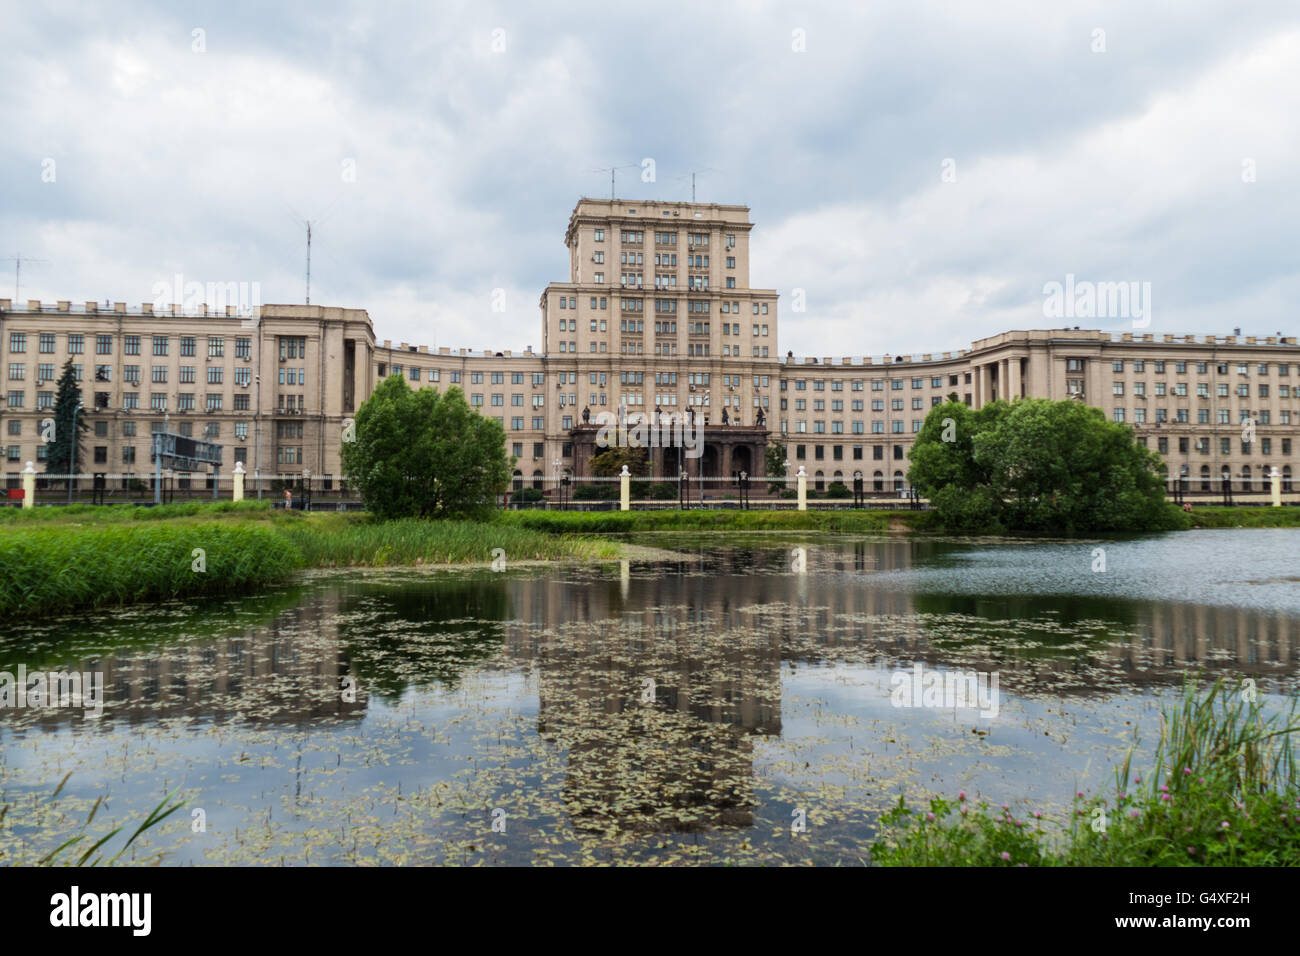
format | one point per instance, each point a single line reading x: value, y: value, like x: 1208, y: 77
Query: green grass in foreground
x: 1222, y: 791
x: 48, y: 568
x: 100, y: 514
x: 89, y: 557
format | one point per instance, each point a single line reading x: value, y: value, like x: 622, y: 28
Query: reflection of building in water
x: 656, y: 700
x: 288, y: 671
x: 834, y: 612
x: 1178, y: 637
x: 713, y: 633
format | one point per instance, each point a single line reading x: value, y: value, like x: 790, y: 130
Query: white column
x: 625, y: 490
x: 803, y: 489
x: 29, y: 486
x: 239, y: 481
x: 1275, y: 477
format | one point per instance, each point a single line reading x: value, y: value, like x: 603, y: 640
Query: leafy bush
x: 1038, y: 465
x: 838, y: 489
x: 424, y: 454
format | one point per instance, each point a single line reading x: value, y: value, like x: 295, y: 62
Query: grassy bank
x: 1221, y: 517
x: 60, y: 559
x: 1221, y: 791
x: 111, y: 514
x: 866, y: 521
x: 603, y: 522
x: 336, y: 540
x: 56, y: 567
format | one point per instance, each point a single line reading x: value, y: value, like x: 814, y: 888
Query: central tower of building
x: 659, y: 314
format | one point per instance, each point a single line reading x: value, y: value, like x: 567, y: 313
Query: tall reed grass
x: 1220, y: 789
x: 100, y: 558
x: 343, y: 540
x: 78, y: 850
x: 57, y: 568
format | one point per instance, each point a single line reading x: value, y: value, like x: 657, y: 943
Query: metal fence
x: 100, y: 488
x: 585, y: 494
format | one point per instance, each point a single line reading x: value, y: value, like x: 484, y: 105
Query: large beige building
x: 657, y: 313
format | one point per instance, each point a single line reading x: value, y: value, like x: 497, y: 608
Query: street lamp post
x: 72, y: 470
x: 257, y: 427
x: 700, y: 462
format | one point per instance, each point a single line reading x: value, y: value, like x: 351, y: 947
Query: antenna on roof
x: 309, y: 262
x: 309, y: 223
x: 698, y: 172
x: 18, y: 259
x: 611, y: 170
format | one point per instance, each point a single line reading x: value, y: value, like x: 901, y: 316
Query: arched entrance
x: 709, y: 461
x: 742, y: 460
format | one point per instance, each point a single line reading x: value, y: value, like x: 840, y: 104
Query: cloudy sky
x: 920, y: 170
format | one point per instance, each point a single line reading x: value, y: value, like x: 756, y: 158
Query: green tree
x: 425, y: 454
x: 774, y: 456
x: 1037, y: 465
x: 774, y: 459
x: 68, y: 426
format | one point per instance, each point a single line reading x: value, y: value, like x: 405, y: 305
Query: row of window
x: 290, y: 346
x: 661, y: 328
x: 1222, y: 416
x: 859, y: 404
x: 210, y: 429
x: 899, y: 452
x: 1202, y: 445
x: 896, y: 427
x: 877, y: 384
x: 1180, y: 367
x: 185, y: 401
x: 664, y: 306
x: 693, y: 349
x: 1221, y: 389
x: 186, y: 374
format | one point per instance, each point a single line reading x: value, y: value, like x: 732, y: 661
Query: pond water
x: 739, y: 703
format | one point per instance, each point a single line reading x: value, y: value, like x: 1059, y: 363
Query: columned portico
x: 724, y: 451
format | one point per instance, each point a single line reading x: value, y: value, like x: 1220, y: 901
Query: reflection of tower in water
x: 657, y: 707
